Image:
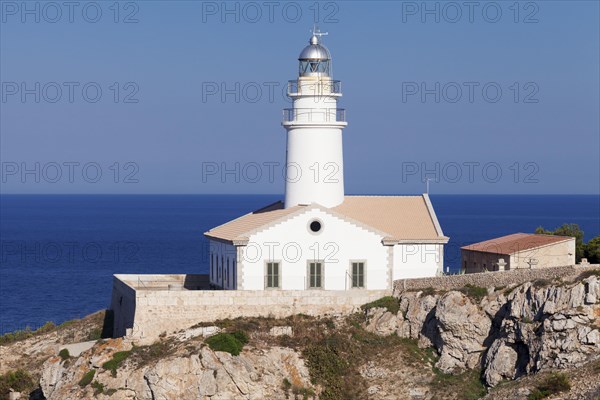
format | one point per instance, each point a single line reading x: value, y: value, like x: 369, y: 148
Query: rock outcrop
x: 508, y: 333
x: 205, y: 374
x: 462, y: 328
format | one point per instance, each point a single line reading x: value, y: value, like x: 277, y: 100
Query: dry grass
x: 91, y: 327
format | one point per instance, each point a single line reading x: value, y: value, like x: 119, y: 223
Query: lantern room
x: 315, y: 59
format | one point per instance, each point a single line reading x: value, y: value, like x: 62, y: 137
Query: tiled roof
x: 237, y: 228
x: 397, y: 218
x: 516, y: 242
x: 400, y: 217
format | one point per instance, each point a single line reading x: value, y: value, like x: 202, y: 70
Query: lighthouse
x: 317, y: 238
x: 314, y: 124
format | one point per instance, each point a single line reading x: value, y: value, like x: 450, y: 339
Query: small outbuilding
x: 518, y: 251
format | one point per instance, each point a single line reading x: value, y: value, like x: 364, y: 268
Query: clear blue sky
x: 548, y: 131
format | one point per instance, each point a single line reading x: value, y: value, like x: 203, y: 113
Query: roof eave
x: 468, y: 247
x: 432, y: 214
x: 392, y: 241
x: 217, y: 239
x: 488, y: 251
x: 239, y: 241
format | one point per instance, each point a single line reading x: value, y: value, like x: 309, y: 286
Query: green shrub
x: 477, y: 293
x: 541, y: 283
x: 230, y: 343
x: 144, y: 355
x: 553, y: 384
x: 327, y: 367
x: 16, y: 336
x: 87, y: 378
x: 429, y: 291
x: 587, y: 274
x: 19, y: 381
x: 329, y: 323
x: 95, y: 334
x: 296, y: 390
x: 416, y: 355
x: 388, y: 302
x: 536, y: 394
x: 64, y: 354
x: 467, y: 383
x: 304, y: 392
x: 556, y: 383
x: 98, y: 387
x: 26, y: 333
x: 286, y: 386
x: 47, y: 327
x: 241, y: 337
x: 113, y: 364
x: 67, y: 323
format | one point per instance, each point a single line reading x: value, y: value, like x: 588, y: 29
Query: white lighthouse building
x: 315, y: 164
x: 318, y: 238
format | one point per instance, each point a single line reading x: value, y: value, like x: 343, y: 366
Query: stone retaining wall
x: 143, y: 313
x: 147, y: 305
x: 490, y: 279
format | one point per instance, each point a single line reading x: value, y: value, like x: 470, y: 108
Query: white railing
x: 314, y: 115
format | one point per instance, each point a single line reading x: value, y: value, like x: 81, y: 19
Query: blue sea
x: 58, y: 252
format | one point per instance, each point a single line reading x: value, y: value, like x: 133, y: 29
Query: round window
x: 315, y: 226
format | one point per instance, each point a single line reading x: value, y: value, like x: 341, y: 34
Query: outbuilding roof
x: 515, y: 243
x: 395, y: 218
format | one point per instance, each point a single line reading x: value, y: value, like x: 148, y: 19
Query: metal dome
x: 315, y: 51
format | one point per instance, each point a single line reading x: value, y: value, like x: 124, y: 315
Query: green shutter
x: 358, y: 274
x: 315, y: 272
x: 361, y: 277
x: 272, y: 275
x: 319, y: 272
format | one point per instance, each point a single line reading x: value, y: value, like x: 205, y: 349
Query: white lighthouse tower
x: 314, y: 158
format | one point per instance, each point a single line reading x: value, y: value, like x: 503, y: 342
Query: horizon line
x: 281, y: 194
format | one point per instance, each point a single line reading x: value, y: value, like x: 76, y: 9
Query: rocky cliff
x: 424, y: 344
x: 194, y: 372
x: 507, y: 332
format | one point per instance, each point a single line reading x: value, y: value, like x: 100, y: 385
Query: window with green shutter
x: 315, y: 275
x: 272, y: 275
x: 358, y: 274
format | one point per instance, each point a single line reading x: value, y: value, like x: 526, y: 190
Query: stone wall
x: 122, y: 304
x: 143, y: 311
x: 562, y: 253
x: 490, y: 279
x: 147, y: 305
